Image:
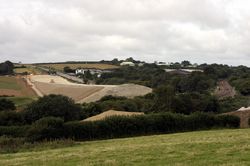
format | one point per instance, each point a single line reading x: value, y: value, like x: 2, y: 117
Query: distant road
x: 72, y: 78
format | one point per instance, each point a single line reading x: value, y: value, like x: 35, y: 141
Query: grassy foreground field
x: 219, y: 147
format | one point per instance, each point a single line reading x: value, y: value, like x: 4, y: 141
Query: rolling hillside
x: 17, y: 90
x: 219, y: 147
x: 81, y: 65
x: 83, y: 93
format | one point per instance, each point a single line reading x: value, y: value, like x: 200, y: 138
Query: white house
x: 98, y: 72
x: 80, y: 71
x: 127, y: 64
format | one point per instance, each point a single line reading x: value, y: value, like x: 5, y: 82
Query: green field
x: 219, y: 147
x: 29, y: 70
x: 9, y: 83
x: 22, y: 94
x: 21, y: 102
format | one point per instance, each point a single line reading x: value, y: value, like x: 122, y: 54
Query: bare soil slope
x: 127, y: 90
x: 243, y: 114
x: 15, y: 86
x: 110, y: 113
x: 224, y: 90
x: 81, y: 93
x: 49, y: 79
x: 73, y: 91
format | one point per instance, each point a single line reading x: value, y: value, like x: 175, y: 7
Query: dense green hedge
x: 51, y: 128
x: 6, y: 104
x: 115, y: 127
x: 11, y: 118
x: 14, y: 131
x: 46, y: 128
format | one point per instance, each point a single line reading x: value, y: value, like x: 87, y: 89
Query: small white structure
x: 98, y: 72
x: 195, y: 65
x: 80, y: 71
x: 140, y: 64
x: 183, y: 71
x: 161, y: 63
x: 127, y: 64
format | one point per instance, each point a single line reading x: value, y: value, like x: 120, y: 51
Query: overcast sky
x: 203, y: 31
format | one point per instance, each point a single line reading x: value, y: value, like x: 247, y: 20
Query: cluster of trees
x: 115, y: 127
x: 6, y: 104
x: 177, y: 103
x: 67, y: 69
x: 148, y: 75
x: 56, y: 117
x: 6, y: 68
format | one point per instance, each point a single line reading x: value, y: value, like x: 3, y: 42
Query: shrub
x: 122, y: 126
x: 14, y: 131
x: 46, y: 128
x: 244, y: 88
x: 11, y: 118
x: 53, y: 105
x: 6, y: 104
x: 10, y: 144
x: 228, y: 121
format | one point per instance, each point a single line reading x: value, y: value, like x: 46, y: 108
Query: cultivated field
x: 82, y: 65
x: 76, y: 92
x: 220, y: 147
x: 18, y: 90
x: 15, y: 86
x: 126, y: 90
x: 110, y: 113
x: 29, y: 70
x: 81, y: 93
x: 21, y: 93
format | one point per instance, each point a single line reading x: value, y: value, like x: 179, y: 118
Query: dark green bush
x: 46, y: 128
x: 121, y: 126
x: 6, y: 104
x: 52, y: 105
x: 244, y: 88
x: 10, y: 144
x: 14, y: 131
x: 228, y: 121
x: 11, y: 118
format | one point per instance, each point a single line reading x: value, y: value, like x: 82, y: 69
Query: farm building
x: 182, y: 71
x: 93, y: 71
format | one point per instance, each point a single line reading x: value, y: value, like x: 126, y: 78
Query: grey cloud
x: 166, y: 30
